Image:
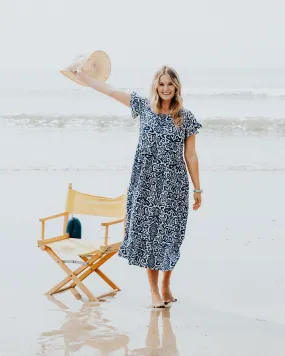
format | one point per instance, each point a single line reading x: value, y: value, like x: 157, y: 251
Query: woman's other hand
x: 197, y: 200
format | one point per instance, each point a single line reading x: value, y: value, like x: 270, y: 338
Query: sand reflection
x: 83, y: 331
x: 159, y: 343
x: 86, y: 330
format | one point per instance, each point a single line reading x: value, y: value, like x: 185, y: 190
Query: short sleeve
x: 137, y: 103
x: 191, y: 124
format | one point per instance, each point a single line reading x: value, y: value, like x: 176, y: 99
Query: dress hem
x: 142, y: 266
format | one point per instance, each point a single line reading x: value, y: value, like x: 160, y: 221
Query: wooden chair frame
x: 92, y: 260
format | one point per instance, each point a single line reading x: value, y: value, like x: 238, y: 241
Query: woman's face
x: 165, y: 89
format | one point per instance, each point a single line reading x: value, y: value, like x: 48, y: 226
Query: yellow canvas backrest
x: 80, y: 203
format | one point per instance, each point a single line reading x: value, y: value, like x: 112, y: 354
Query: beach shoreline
x: 229, y: 280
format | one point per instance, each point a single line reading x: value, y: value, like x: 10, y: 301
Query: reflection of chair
x: 82, y: 330
x: 92, y: 254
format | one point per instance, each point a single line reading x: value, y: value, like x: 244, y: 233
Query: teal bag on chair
x: 74, y: 228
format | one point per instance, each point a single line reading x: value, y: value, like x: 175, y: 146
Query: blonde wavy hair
x: 176, y: 102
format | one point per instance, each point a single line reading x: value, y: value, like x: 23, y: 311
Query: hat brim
x: 97, y: 67
x: 72, y: 76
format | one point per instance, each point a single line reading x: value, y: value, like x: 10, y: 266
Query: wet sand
x: 229, y: 281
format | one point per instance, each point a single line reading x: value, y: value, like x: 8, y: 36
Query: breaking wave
x: 227, y: 125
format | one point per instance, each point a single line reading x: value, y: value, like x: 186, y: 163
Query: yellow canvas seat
x: 91, y: 254
x: 75, y: 247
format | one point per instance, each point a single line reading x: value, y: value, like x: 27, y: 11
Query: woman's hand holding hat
x: 97, y: 66
x: 78, y: 72
x: 76, y: 68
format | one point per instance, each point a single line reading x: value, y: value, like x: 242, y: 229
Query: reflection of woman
x: 158, y: 194
x: 167, y: 346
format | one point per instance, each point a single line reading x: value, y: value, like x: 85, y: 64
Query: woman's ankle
x: 154, y: 292
x: 165, y: 285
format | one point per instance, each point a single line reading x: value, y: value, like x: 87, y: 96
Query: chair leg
x: 95, y: 265
x: 59, y: 287
x: 75, y: 279
x: 106, y: 279
x: 95, y: 268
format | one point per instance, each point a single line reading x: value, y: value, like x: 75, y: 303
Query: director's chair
x: 92, y: 255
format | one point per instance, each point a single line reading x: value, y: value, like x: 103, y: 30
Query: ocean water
x: 50, y: 123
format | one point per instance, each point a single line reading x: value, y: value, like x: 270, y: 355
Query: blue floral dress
x: 158, y: 193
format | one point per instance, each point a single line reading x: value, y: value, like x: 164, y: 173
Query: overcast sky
x: 147, y: 33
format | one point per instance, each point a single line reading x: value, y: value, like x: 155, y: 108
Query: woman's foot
x: 167, y: 296
x: 156, y: 300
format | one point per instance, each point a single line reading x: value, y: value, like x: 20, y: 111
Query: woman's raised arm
x: 104, y: 88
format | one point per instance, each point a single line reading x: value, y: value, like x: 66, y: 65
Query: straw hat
x: 97, y: 66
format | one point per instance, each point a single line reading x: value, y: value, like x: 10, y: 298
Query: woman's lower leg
x: 165, y: 287
x: 153, y: 283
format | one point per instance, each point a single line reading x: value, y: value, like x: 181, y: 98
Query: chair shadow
x: 84, y: 329
x: 155, y: 346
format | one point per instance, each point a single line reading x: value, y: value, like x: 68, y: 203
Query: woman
x: 158, y: 194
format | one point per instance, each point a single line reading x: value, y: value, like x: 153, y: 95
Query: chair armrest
x: 52, y: 239
x: 53, y: 216
x: 43, y: 220
x: 108, y: 223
